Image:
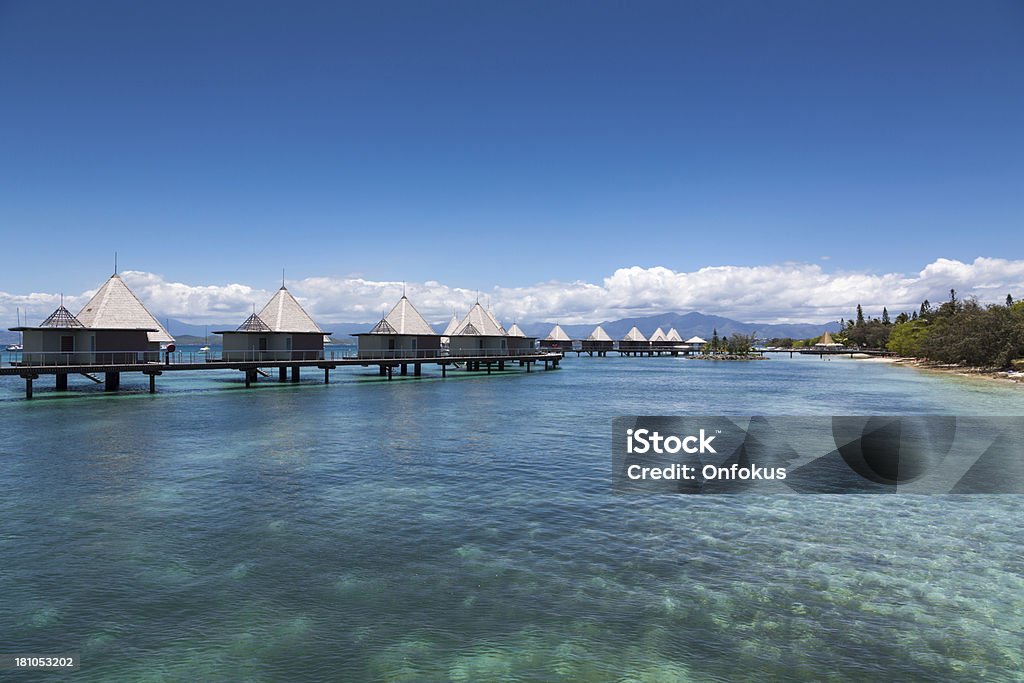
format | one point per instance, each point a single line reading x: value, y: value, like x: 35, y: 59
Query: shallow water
x: 463, y: 529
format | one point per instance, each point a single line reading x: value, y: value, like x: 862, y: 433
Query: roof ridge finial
x: 115, y: 263
x: 403, y: 289
x: 282, y: 278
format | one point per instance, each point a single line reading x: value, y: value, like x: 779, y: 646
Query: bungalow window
x: 67, y: 343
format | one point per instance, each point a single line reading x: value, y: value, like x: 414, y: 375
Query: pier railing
x: 440, y: 354
x: 41, y: 359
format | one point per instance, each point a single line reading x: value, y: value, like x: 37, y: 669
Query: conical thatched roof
x: 696, y: 340
x: 557, y: 334
x: 253, y: 324
x: 479, y: 322
x: 634, y: 335
x: 516, y: 331
x: 658, y: 336
x: 826, y: 340
x: 599, y: 335
x: 673, y: 336
x: 284, y: 314
x: 404, y: 319
x: 116, y: 307
x: 61, y: 318
x: 453, y: 327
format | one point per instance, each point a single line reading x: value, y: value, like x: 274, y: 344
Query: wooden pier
x: 288, y: 369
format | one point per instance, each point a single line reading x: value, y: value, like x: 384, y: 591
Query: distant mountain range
x: 687, y: 324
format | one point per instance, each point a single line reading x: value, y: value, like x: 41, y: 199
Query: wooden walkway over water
x: 253, y: 369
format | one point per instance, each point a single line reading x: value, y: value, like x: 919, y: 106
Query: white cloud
x: 785, y: 292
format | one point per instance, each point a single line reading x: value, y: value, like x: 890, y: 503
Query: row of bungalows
x: 114, y: 327
x: 404, y: 333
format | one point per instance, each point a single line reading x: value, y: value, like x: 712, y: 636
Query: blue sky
x: 482, y: 144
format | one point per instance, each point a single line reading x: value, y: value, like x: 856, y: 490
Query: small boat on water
x: 20, y: 346
x: 206, y: 345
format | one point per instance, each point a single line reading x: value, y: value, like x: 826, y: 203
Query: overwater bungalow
x: 557, y: 340
x: 659, y: 340
x: 281, y: 331
x: 113, y: 327
x: 479, y: 333
x: 673, y: 337
x: 597, y: 342
x: 518, y: 342
x: 634, y: 342
x: 402, y: 333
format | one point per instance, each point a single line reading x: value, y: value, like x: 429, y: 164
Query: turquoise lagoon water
x: 463, y: 530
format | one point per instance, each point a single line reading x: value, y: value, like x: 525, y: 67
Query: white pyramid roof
x: 696, y: 340
x: 405, y: 319
x: 516, y: 331
x: 658, y: 336
x: 634, y: 335
x: 479, y: 322
x: 673, y: 336
x: 284, y: 314
x: 557, y: 334
x: 599, y: 335
x: 453, y: 327
x: 115, y: 306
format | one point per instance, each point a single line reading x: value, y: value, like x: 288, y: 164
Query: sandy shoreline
x: 1014, y: 377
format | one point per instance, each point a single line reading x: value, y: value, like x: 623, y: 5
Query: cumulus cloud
x: 786, y: 292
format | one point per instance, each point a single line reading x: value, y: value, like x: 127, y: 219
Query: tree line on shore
x: 957, y: 331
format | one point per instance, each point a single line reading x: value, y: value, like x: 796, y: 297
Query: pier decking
x: 387, y: 362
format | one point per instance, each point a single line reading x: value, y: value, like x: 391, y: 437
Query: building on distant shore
x: 826, y: 342
x: 695, y: 344
x: 634, y: 342
x: 597, y: 342
x: 281, y: 331
x: 557, y: 340
x: 479, y: 333
x: 402, y: 333
x: 113, y: 327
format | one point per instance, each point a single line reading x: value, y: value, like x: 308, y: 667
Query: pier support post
x: 444, y: 369
x: 327, y: 375
x: 383, y: 370
x: 528, y: 366
x: 295, y: 373
x: 28, y: 388
x: 390, y: 372
x: 417, y: 369
x: 282, y: 374
x: 405, y: 369
x: 62, y: 382
x: 152, y: 383
x: 546, y: 366
x: 111, y: 381
x: 488, y: 368
x: 501, y: 365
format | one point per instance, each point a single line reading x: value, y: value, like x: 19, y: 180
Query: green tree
x: 1009, y: 301
x: 715, y: 341
x: 885, y: 315
x: 908, y: 337
x: 860, y: 316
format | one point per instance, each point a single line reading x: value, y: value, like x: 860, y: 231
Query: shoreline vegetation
x: 960, y: 337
